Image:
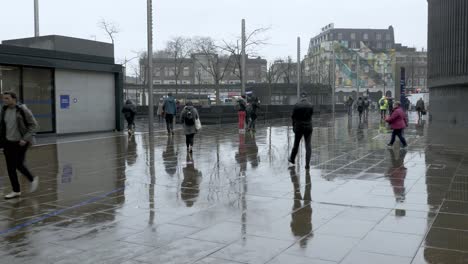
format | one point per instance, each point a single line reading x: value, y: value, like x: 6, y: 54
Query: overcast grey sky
x: 219, y: 19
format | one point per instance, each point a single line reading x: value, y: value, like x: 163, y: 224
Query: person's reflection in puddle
x: 241, y: 155
x: 170, y: 157
x: 397, y: 173
x: 252, y: 150
x: 190, y: 186
x: 132, y: 154
x: 301, y: 216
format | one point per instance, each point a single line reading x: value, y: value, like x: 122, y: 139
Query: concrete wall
x: 94, y: 109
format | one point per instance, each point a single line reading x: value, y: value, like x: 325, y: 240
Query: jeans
x: 189, y: 139
x: 170, y: 122
x: 241, y: 115
x: 15, y: 156
x: 399, y: 133
x: 307, y: 134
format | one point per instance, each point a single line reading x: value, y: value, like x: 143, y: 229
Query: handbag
x: 198, y: 124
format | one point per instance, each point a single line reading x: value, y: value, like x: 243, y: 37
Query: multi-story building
x: 415, y: 64
x: 205, y: 69
x: 284, y: 71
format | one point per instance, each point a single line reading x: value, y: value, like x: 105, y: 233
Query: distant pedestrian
x: 302, y: 127
x: 170, y: 110
x: 420, y: 107
x: 366, y: 107
x: 398, y: 122
x: 160, y: 111
x: 129, y: 110
x: 383, y: 105
x: 188, y: 118
x: 360, y: 107
x: 242, y: 112
x: 390, y: 105
x: 349, y: 105
x: 17, y: 128
x: 252, y: 108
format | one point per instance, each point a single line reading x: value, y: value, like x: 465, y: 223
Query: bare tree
x: 110, y: 28
x: 212, y: 60
x: 179, y: 49
x: 254, y: 40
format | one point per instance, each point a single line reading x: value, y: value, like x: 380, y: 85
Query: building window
x: 354, y: 45
x: 422, y: 81
x: 340, y: 36
x: 379, y: 45
x: 378, y: 36
x: 389, y: 45
x: 250, y: 73
x: 388, y: 37
x: 186, y: 71
x: 331, y: 36
x: 366, y: 36
x: 353, y: 36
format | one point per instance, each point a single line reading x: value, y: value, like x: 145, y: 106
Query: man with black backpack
x: 129, y: 110
x: 360, y: 107
x: 302, y: 127
x: 17, y: 128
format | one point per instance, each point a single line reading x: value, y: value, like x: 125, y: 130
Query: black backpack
x: 189, y: 119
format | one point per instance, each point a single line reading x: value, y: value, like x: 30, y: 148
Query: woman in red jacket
x: 398, y: 122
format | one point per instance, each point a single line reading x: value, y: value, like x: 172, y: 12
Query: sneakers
x: 291, y: 163
x: 12, y: 195
x: 389, y: 146
x: 34, y: 184
x: 404, y: 147
x: 190, y: 149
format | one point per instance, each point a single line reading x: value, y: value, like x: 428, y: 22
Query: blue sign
x: 65, y: 101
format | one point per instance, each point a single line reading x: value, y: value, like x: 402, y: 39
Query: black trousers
x: 189, y: 139
x: 399, y: 133
x: 15, y: 156
x: 130, y: 121
x: 299, y: 134
x: 170, y: 122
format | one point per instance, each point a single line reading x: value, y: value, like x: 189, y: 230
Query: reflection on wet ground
x: 145, y: 200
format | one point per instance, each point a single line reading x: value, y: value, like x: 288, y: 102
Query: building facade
x: 205, y: 69
x: 448, y: 61
x: 71, y: 85
x: 284, y: 71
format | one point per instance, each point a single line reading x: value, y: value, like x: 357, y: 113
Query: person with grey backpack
x: 190, y: 120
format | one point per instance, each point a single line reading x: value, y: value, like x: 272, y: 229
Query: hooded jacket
x: 27, y: 124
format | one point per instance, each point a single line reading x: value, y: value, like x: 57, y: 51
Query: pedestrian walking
x: 241, y: 112
x: 383, y: 104
x: 170, y: 110
x: 17, y: 128
x: 360, y: 107
x: 390, y: 105
x: 366, y: 108
x: 302, y: 127
x: 252, y: 108
x: 188, y: 118
x: 398, y: 122
x: 129, y: 110
x: 349, y: 105
x: 420, y: 107
x: 160, y: 111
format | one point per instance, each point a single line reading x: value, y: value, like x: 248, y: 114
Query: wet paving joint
x: 57, y: 212
x: 234, y: 199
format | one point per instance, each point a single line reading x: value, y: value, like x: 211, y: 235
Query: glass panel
x: 37, y: 95
x: 9, y: 79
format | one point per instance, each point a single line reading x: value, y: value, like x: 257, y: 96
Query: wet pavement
x: 109, y: 199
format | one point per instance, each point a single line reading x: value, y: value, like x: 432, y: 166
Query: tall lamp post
x: 36, y: 18
x: 150, y: 65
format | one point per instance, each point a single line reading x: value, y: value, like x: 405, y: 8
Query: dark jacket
x: 129, y: 109
x: 420, y: 105
x: 27, y: 124
x: 302, y: 115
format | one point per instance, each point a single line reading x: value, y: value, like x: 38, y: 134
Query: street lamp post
x: 150, y: 65
x: 36, y: 18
